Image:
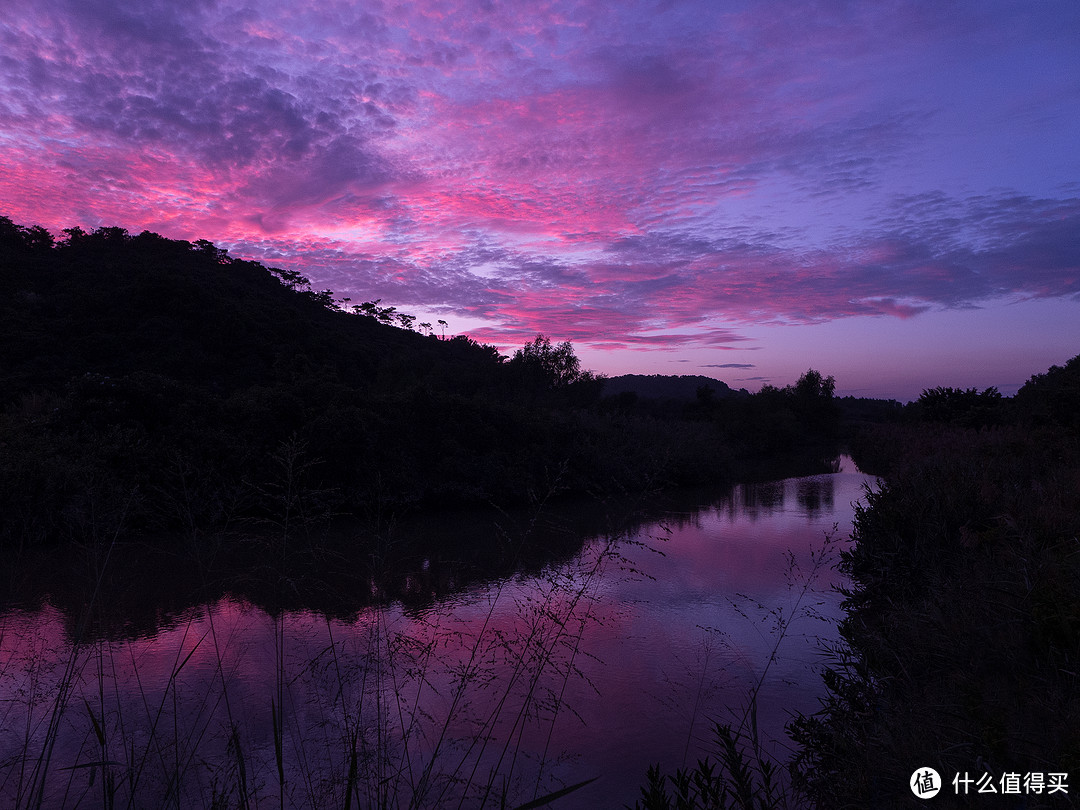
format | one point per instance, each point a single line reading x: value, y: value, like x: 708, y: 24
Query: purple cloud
x: 628, y: 176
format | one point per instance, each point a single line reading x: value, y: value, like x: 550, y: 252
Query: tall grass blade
x: 558, y: 794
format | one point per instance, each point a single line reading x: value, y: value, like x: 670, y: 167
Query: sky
x: 888, y: 192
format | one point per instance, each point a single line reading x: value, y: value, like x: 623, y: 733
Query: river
x: 595, y: 647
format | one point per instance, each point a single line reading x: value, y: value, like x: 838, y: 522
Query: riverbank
x: 962, y: 629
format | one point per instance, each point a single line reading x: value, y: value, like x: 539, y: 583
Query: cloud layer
x: 631, y: 175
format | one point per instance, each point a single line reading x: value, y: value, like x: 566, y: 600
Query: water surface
x: 578, y: 653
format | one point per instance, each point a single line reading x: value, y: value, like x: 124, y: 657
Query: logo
x: 925, y: 783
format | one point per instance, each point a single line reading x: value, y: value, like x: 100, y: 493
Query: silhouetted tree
x: 554, y: 367
x: 812, y: 387
x: 210, y: 250
x: 372, y: 310
x: 813, y: 404
x: 17, y: 237
x: 1053, y: 396
x: 965, y: 407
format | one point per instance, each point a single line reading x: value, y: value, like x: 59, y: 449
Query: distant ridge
x: 683, y: 387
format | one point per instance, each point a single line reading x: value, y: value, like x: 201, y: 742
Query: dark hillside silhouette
x: 150, y: 382
x: 112, y: 303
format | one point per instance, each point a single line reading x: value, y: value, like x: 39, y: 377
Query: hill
x: 150, y: 383
x: 683, y: 387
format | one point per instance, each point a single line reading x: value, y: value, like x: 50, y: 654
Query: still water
x: 595, y: 647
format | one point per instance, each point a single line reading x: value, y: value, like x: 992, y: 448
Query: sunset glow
x: 888, y: 192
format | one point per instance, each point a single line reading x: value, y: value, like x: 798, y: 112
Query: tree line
x: 153, y: 383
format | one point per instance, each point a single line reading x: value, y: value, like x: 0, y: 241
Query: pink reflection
x: 600, y: 665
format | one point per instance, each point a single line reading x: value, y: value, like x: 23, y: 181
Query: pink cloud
x: 618, y: 174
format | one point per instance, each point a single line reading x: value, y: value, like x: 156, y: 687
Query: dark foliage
x: 962, y: 632
x: 540, y: 365
x: 147, y: 382
x: 964, y: 407
x: 1053, y: 397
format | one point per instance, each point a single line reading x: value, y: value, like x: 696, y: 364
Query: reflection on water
x: 507, y: 659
